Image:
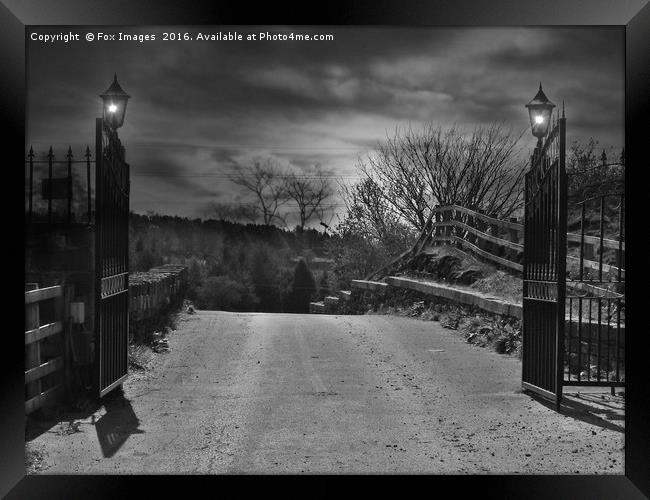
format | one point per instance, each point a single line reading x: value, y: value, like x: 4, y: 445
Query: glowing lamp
x: 115, y: 100
x: 539, y: 110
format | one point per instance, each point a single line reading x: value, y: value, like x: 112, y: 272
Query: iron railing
x: 66, y: 187
x: 595, y: 341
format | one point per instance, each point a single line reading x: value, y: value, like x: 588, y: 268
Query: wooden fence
x: 44, y: 344
x: 498, y: 241
x: 48, y: 334
x: 154, y: 293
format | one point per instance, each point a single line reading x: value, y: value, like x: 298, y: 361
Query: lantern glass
x: 539, y: 110
x: 114, y: 112
x: 540, y: 119
x: 114, y: 107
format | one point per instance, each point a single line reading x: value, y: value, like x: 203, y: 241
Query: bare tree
x: 268, y: 185
x: 370, y: 217
x: 369, y: 233
x: 590, y: 174
x: 310, y: 194
x: 417, y: 170
x: 399, y: 180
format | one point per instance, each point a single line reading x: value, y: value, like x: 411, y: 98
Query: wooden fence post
x: 446, y: 217
x: 495, y: 249
x: 33, y: 350
x: 434, y: 229
x: 514, y: 237
x: 66, y: 299
x: 456, y: 217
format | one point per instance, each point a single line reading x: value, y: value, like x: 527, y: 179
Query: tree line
x: 234, y: 266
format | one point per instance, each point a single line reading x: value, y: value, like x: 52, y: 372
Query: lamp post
x: 111, y: 245
x: 539, y: 110
x: 114, y: 105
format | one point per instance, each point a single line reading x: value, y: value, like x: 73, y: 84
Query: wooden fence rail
x: 498, y: 241
x: 153, y: 292
x: 44, y: 346
x: 47, y: 332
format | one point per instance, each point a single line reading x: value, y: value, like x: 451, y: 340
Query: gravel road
x: 284, y: 393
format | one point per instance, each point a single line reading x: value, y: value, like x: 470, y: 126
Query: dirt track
x: 288, y: 393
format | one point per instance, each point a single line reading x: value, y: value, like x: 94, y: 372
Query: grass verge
x: 502, y: 334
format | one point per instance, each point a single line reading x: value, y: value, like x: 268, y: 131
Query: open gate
x: 595, y: 335
x: 111, y: 260
x: 574, y: 338
x: 544, y: 267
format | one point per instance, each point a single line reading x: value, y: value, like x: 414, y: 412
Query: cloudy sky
x: 200, y: 110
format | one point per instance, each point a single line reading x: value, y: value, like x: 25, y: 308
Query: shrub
x: 302, y: 289
x: 226, y: 294
x: 264, y: 274
x: 196, y: 274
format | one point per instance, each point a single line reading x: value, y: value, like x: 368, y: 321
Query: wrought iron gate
x: 574, y: 305
x: 544, y: 268
x: 595, y: 337
x: 111, y: 260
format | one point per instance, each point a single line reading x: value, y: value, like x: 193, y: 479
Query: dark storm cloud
x: 165, y: 171
x: 201, y: 110
x: 563, y: 48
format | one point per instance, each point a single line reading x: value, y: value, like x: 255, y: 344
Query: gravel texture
x: 289, y: 393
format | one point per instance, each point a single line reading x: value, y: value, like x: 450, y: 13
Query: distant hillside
x: 232, y: 266
x: 170, y: 238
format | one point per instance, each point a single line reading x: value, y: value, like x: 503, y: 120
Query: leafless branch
x: 267, y: 183
x: 310, y: 194
x: 416, y: 170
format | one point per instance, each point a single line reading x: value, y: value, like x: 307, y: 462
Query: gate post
x: 96, y: 370
x: 560, y: 265
x: 111, y: 260
x: 544, y: 264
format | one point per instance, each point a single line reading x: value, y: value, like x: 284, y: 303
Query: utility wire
x: 229, y: 176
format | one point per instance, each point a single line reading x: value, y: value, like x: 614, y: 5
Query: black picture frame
x: 633, y: 14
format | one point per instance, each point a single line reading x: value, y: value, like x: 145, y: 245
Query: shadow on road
x: 113, y: 428
x: 64, y: 418
x: 594, y: 409
x: 116, y: 425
